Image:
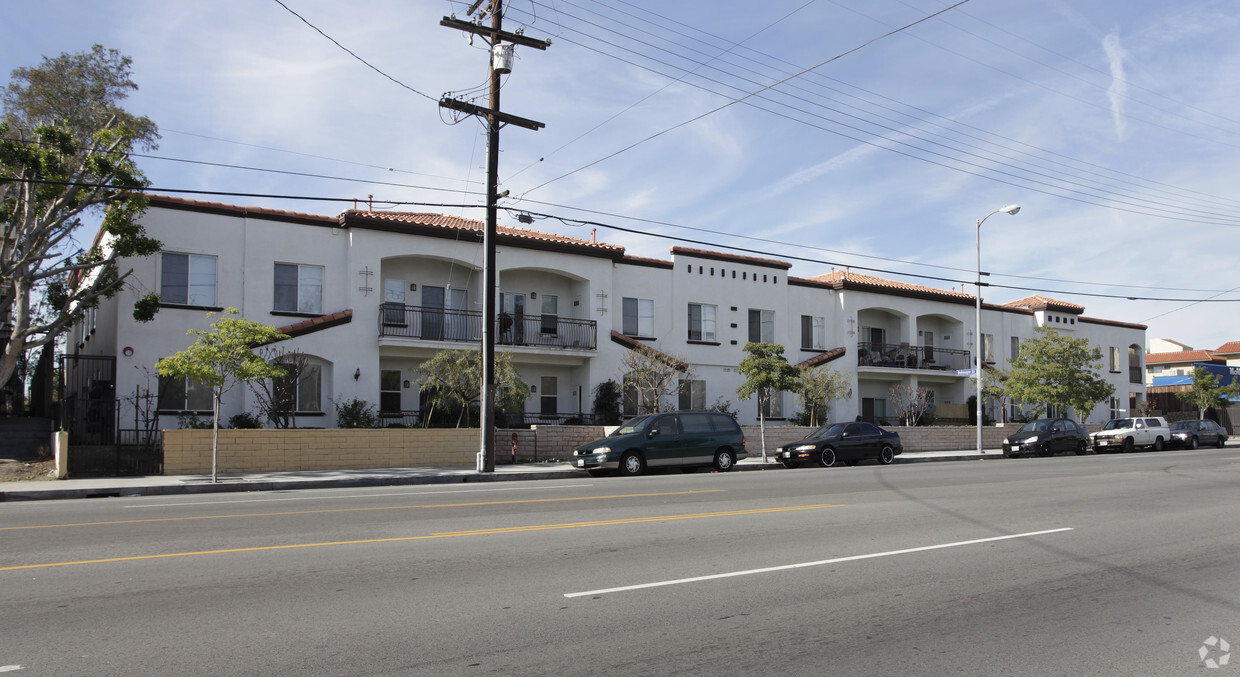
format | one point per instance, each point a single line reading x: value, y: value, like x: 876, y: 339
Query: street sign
x: 966, y: 372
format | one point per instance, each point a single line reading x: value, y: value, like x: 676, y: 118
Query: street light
x: 977, y: 348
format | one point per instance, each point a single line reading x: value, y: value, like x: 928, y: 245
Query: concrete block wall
x: 188, y: 452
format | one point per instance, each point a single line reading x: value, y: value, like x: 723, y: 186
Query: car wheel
x: 1128, y: 445
x: 1082, y: 448
x: 1046, y: 450
x: 827, y: 459
x: 790, y: 464
x: 1222, y: 442
x: 886, y: 455
x: 1158, y: 444
x: 1193, y: 443
x: 725, y: 460
x: 632, y: 463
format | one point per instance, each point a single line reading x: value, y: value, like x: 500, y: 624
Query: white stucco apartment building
x: 368, y: 296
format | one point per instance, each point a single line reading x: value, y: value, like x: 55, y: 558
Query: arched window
x: 1135, y: 374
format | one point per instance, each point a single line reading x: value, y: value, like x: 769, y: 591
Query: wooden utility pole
x: 501, y: 63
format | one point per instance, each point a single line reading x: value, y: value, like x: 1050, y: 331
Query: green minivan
x: 682, y: 439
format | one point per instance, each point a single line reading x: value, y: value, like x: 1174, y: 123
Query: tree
x: 277, y: 398
x: 766, y: 372
x: 222, y: 358
x: 64, y: 154
x: 994, y: 386
x: 1206, y: 392
x: 1059, y: 370
x: 910, y: 402
x: 817, y: 387
x: 651, y: 377
x: 607, y: 403
x: 453, y: 382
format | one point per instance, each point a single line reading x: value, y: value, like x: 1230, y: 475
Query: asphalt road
x: 1095, y: 565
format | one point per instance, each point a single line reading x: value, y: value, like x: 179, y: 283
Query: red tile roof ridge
x: 845, y: 275
x: 1229, y: 348
x: 159, y: 199
x: 1180, y: 356
x: 730, y: 257
x: 1039, y: 302
x: 462, y: 223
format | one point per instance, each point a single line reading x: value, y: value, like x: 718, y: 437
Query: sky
x: 871, y: 134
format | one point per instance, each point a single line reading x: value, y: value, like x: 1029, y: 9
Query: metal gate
x: 90, y: 412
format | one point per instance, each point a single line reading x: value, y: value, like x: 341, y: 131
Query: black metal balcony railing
x: 442, y: 324
x: 903, y: 356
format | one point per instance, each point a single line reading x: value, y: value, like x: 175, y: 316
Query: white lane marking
x: 9, y: 668
x: 320, y: 498
x: 853, y: 558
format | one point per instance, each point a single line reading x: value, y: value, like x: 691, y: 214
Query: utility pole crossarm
x: 473, y: 109
x: 514, y: 38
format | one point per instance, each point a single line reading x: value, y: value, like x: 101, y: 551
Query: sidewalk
x: 160, y: 485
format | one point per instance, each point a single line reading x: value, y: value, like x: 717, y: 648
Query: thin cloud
x: 1118, y: 91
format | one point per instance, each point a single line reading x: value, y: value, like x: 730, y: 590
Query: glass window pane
x: 285, y: 288
x: 174, y: 278
x: 628, y: 323
x: 310, y: 289
x: 171, y: 393
x: 202, y: 280
x: 308, y: 389
x: 198, y: 397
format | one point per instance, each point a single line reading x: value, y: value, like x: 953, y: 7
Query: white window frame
x: 761, y: 326
x: 198, y: 290
x: 308, y: 292
x: 705, y: 326
x: 639, y: 322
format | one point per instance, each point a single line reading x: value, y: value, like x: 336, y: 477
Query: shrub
x: 355, y: 413
x: 245, y: 420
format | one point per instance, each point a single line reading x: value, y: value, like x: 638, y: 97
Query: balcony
x: 465, y: 326
x: 904, y: 356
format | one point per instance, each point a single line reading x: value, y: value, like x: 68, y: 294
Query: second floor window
x: 761, y: 326
x: 187, y: 279
x: 638, y: 317
x: 298, y: 289
x: 813, y: 333
x: 1114, y: 363
x: 988, y: 347
x: 701, y: 322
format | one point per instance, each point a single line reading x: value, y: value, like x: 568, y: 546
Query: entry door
x: 394, y: 302
x: 512, y: 318
x: 929, y: 347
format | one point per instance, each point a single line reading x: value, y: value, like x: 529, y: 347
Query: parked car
x: 1191, y: 434
x: 1127, y: 434
x: 846, y: 442
x: 683, y: 439
x: 1047, y: 437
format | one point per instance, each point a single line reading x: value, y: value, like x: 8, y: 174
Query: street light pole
x: 977, y: 345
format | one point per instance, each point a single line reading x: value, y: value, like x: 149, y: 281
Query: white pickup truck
x: 1126, y: 434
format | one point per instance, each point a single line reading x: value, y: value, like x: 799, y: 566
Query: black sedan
x: 1047, y: 437
x: 849, y: 443
x: 1192, y: 434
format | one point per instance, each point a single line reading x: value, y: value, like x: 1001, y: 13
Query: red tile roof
x: 822, y: 358
x: 1036, y: 302
x: 450, y: 225
x: 313, y: 324
x: 844, y: 279
x: 222, y: 208
x: 724, y: 256
x: 1229, y: 348
x: 632, y: 344
x: 1185, y: 356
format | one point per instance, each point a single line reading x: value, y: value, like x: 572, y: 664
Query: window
x: 774, y: 405
x: 301, y: 390
x: 638, y: 317
x: 636, y: 401
x: 298, y: 289
x: 701, y: 322
x: 1015, y: 348
x: 394, y: 303
x: 1115, y: 412
x: 988, y: 347
x: 550, y: 315
x: 187, y: 279
x: 692, y: 394
x: 761, y: 326
x: 873, y: 409
x: 1114, y: 362
x: 813, y: 333
x: 182, y: 394
x: 1134, y: 364
x: 548, y: 400
x: 389, y: 390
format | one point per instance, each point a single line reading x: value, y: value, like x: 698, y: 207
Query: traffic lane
x: 473, y: 586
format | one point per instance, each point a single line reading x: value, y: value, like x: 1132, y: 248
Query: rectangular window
x: 301, y: 392
x: 988, y: 347
x: 636, y: 401
x: 550, y: 314
x: 389, y: 390
x: 692, y: 395
x: 701, y: 322
x: 548, y: 395
x: 1015, y: 348
x: 774, y: 405
x: 298, y: 289
x: 187, y: 279
x: 761, y: 326
x: 813, y: 333
x: 181, y: 394
x: 394, y: 303
x: 1115, y: 412
x: 638, y: 317
x: 1114, y: 362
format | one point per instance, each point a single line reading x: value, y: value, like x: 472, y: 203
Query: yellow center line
x: 389, y: 507
x: 445, y: 534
